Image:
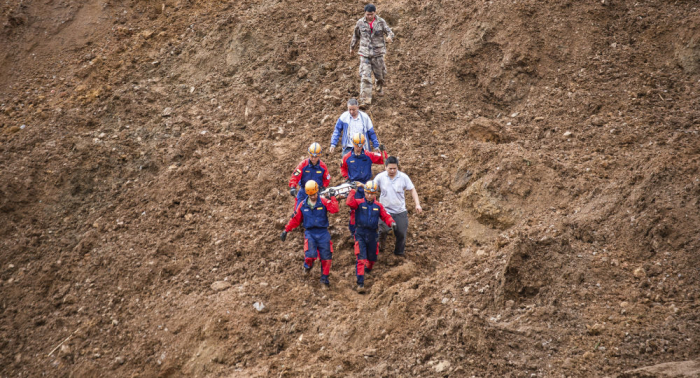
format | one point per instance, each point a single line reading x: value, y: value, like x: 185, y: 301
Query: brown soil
x: 145, y: 149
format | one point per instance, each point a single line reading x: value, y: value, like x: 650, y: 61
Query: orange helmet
x: 358, y: 139
x: 371, y: 187
x: 315, y: 149
x: 311, y: 187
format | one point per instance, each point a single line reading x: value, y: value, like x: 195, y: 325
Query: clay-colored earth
x: 146, y: 147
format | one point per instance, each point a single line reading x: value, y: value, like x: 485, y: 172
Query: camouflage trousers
x: 367, y: 67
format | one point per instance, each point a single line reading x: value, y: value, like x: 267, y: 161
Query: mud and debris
x: 146, y: 147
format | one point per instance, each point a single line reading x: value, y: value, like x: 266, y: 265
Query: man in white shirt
x: 393, y: 185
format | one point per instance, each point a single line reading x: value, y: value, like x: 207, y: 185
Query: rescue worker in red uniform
x: 309, y: 169
x: 357, y: 166
x: 367, y: 215
x: 312, y: 212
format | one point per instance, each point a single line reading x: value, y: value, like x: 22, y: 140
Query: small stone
x: 568, y: 134
x: 538, y: 119
x: 370, y: 352
x: 595, y: 329
x: 597, y: 121
x: 69, y: 299
x: 640, y: 272
x: 481, y: 253
x: 64, y: 351
x: 167, y: 112
x: 220, y: 285
x: 441, y: 366
x: 303, y: 72
x: 259, y: 306
x: 445, y: 300
x: 119, y: 360
x: 587, y: 355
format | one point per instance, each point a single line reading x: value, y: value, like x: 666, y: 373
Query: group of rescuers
x: 370, y: 220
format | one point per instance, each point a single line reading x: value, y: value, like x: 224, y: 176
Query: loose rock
x: 220, y: 285
x: 259, y: 306
x: 441, y: 366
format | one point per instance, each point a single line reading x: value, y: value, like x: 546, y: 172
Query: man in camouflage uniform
x: 370, y: 30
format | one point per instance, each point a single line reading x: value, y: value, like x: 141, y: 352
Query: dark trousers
x: 366, y: 251
x: 401, y: 220
x: 318, y: 245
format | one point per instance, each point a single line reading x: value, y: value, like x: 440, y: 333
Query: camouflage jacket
x: 373, y: 44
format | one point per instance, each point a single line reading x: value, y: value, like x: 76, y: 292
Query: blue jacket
x: 306, y: 171
x: 341, y: 127
x: 367, y: 214
x: 359, y: 167
x: 313, y: 218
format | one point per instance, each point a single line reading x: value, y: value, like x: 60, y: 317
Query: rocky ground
x: 146, y: 146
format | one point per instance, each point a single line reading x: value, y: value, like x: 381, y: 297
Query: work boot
x: 368, y: 271
x: 324, y: 280
x: 361, y: 288
x: 307, y: 269
x: 365, y: 103
x: 380, y: 90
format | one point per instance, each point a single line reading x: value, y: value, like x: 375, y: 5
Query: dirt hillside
x: 145, y: 149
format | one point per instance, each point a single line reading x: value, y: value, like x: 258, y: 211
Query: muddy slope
x: 146, y: 147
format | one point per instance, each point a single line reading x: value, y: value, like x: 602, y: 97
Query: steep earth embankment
x: 146, y: 146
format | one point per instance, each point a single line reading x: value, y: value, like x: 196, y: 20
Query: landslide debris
x: 146, y: 148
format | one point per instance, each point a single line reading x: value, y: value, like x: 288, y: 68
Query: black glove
x: 283, y: 236
x: 353, y: 184
x: 394, y: 227
x: 381, y: 148
x: 331, y: 192
x: 293, y: 192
